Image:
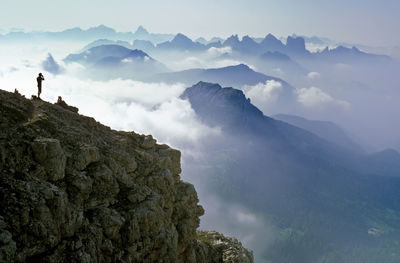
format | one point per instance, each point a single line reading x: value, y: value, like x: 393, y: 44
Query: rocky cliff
x: 73, y: 190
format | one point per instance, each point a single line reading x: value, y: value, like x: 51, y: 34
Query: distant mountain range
x: 294, y: 47
x: 91, y: 34
x: 342, y: 54
x: 182, y: 43
x: 203, y: 41
x: 269, y: 53
x: 142, y: 34
x: 320, y: 197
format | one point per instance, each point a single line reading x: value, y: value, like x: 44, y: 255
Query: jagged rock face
x: 73, y: 190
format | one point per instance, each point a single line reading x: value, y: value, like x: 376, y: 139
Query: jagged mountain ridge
x: 73, y: 190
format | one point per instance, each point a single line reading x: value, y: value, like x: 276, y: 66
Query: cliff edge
x: 73, y: 190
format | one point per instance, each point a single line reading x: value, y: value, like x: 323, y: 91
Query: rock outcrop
x: 212, y: 245
x: 73, y: 190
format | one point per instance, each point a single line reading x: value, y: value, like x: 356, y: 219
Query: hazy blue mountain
x: 144, y: 45
x: 386, y: 162
x: 97, y: 53
x: 236, y: 76
x: 296, y: 46
x: 277, y: 56
x: 343, y: 55
x: 324, y: 129
x: 247, y: 45
x: 102, y: 42
x: 142, y: 34
x: 322, y: 205
x: 91, y: 34
x: 232, y: 41
x: 50, y: 65
x: 110, y: 61
x: 71, y: 34
x: 181, y: 42
x: 271, y: 43
x: 315, y: 40
x: 276, y: 60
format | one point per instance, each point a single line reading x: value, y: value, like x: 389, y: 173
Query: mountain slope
x: 323, y: 205
x: 73, y: 190
x: 272, y: 61
x: 324, y: 129
x: 181, y: 42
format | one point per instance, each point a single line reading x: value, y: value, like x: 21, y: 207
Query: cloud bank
x: 314, y: 97
x: 150, y: 108
x: 264, y: 93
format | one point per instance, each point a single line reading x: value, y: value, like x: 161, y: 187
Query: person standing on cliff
x: 39, y: 80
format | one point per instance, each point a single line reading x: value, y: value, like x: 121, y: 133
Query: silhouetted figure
x: 39, y: 80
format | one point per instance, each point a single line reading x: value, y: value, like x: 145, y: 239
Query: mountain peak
x: 296, y: 44
x: 101, y: 29
x: 232, y: 41
x: 207, y: 85
x: 234, y: 37
x: 271, y: 43
x: 181, y: 37
x: 270, y: 37
x: 141, y: 31
x: 247, y: 38
x: 225, y: 107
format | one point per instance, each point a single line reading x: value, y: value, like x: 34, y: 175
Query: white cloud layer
x: 150, y: 108
x: 215, y: 52
x: 264, y: 94
x: 314, y: 97
x: 313, y: 75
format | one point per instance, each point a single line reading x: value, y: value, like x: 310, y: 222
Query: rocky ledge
x: 73, y: 190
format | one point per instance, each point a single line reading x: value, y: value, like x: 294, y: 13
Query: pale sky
x: 371, y: 22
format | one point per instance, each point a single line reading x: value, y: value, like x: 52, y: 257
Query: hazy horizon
x: 369, y: 23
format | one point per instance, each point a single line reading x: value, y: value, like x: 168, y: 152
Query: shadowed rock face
x: 73, y: 190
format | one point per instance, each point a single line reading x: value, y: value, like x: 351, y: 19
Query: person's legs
x: 39, y: 91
